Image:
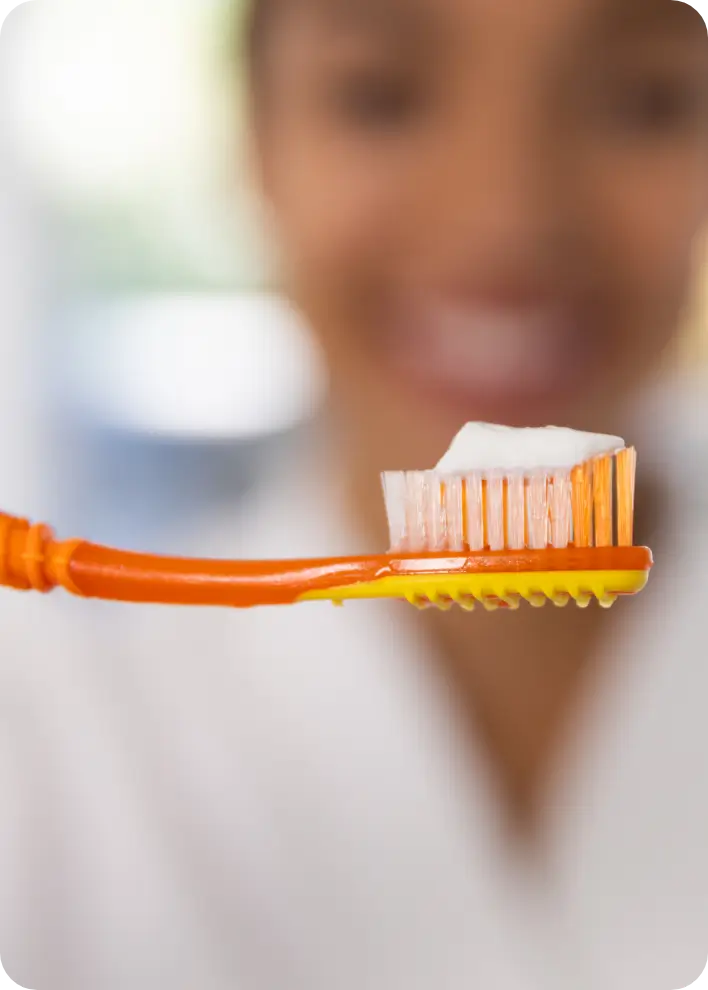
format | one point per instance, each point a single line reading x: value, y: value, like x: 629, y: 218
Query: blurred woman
x: 486, y: 210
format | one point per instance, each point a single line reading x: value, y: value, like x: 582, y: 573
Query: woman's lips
x: 492, y: 355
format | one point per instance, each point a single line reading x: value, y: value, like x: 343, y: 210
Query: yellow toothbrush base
x: 493, y: 591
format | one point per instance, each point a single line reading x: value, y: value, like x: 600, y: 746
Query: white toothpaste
x: 483, y: 447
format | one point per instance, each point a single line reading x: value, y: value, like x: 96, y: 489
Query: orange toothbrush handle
x: 32, y: 560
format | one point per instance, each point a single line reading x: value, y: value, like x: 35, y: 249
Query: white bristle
x: 561, y: 510
x: 454, y: 509
x: 537, y: 510
x: 435, y: 517
x: 516, y: 512
x: 495, y: 512
x: 416, y: 512
x: 475, y: 509
x: 396, y: 498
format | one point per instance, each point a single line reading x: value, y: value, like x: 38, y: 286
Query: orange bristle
x: 626, y: 474
x: 581, y: 484
x: 602, y: 497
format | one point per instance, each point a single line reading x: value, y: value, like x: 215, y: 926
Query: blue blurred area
x: 165, y: 411
x: 149, y: 494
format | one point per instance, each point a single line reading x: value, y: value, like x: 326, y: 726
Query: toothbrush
x: 488, y: 538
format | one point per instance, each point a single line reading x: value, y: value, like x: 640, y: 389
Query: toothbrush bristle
x: 602, y: 492
x: 493, y: 510
x: 581, y: 482
x: 626, y: 475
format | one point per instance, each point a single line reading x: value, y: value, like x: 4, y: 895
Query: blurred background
x: 150, y: 368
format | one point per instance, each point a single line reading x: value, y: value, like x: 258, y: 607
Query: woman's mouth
x: 498, y: 361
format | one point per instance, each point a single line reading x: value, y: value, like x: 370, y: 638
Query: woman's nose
x: 498, y: 190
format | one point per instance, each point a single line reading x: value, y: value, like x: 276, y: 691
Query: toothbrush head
x: 499, y: 537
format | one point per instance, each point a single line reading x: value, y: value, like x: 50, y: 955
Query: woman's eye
x: 655, y: 106
x: 377, y: 103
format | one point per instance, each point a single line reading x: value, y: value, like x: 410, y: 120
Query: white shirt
x: 279, y: 798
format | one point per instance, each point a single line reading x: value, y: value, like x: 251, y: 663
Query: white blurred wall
x: 22, y: 302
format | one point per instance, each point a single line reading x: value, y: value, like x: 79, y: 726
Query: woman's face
x: 487, y: 208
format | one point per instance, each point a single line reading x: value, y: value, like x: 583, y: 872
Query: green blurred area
x: 135, y: 133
